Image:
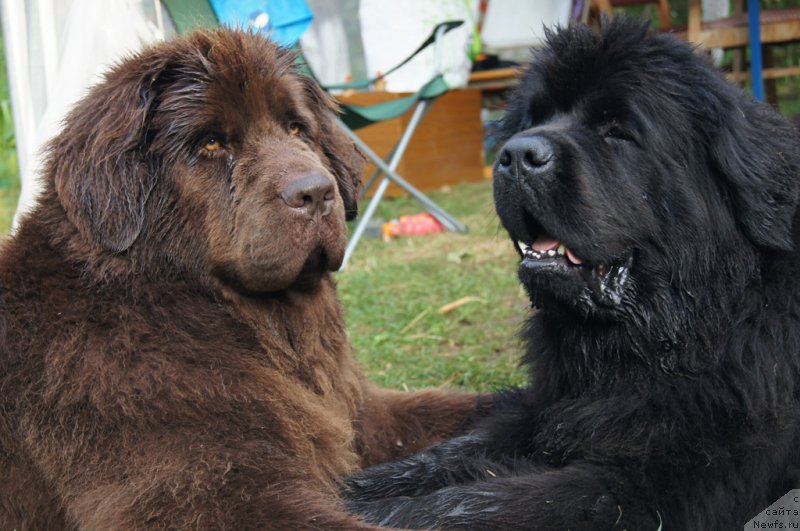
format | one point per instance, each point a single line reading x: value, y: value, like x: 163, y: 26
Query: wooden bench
x: 496, y: 78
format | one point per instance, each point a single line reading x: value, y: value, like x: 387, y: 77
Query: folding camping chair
x: 355, y: 117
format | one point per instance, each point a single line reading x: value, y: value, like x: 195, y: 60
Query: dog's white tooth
x: 522, y: 245
x: 551, y: 253
x: 562, y: 249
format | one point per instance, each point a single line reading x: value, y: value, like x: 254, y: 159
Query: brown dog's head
x: 214, y: 153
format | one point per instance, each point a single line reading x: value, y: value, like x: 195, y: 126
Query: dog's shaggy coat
x: 654, y: 208
x: 172, y: 351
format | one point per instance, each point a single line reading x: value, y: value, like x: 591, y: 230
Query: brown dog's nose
x: 312, y: 194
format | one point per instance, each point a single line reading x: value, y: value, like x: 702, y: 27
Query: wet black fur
x: 680, y: 405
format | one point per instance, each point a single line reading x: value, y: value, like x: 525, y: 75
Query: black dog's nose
x: 530, y: 154
x: 312, y: 193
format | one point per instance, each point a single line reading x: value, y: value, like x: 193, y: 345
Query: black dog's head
x: 633, y: 176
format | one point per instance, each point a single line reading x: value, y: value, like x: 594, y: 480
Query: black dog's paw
x: 364, y: 509
x: 401, y: 512
x: 457, y: 461
x: 363, y: 486
x: 401, y: 478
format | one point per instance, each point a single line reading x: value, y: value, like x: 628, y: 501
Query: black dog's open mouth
x: 546, y: 256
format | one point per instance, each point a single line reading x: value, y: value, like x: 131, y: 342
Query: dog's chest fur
x: 281, y: 368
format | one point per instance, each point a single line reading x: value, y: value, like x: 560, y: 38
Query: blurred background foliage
x: 9, y: 171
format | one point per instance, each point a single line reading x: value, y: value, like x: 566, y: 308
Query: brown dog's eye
x: 295, y: 129
x: 212, y: 145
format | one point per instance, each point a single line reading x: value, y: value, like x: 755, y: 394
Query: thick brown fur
x: 172, y: 351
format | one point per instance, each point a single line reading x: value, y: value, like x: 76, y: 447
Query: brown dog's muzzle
x: 312, y: 194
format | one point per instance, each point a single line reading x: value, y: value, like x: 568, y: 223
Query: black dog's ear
x: 102, y: 175
x: 758, y: 154
x: 346, y: 162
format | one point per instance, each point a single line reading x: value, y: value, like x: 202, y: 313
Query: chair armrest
x: 444, y: 26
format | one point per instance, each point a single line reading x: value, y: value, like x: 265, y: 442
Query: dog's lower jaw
x: 588, y: 290
x: 316, y: 266
x: 308, y: 279
x: 608, y: 283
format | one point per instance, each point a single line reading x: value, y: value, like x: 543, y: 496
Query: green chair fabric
x: 365, y: 83
x: 189, y: 15
x: 358, y: 116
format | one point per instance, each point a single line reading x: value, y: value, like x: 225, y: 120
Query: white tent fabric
x: 325, y: 44
x: 391, y: 30
x: 55, y: 50
x: 519, y: 24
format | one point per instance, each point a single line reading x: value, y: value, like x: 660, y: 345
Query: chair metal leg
x: 378, y: 172
x: 364, y: 189
x: 361, y: 226
x: 445, y: 218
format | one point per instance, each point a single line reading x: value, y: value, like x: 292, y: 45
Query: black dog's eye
x: 614, y: 131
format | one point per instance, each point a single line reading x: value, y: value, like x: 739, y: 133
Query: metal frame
x: 388, y: 170
x: 390, y: 174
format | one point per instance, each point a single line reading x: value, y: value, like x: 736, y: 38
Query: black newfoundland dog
x: 653, y: 206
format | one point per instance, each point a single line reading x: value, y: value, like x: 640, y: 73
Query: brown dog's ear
x: 99, y: 161
x: 346, y: 162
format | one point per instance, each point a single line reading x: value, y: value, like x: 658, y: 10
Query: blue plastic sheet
x: 284, y: 21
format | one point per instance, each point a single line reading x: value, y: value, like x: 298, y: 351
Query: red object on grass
x: 411, y: 226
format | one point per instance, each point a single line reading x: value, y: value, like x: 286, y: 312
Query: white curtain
x: 55, y: 50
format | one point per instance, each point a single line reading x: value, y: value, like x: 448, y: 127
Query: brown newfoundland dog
x: 172, y: 351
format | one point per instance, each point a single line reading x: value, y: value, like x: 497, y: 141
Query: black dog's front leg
x: 577, y: 497
x: 459, y: 460
x: 489, y: 451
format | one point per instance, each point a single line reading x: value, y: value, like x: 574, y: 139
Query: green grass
x: 392, y: 292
